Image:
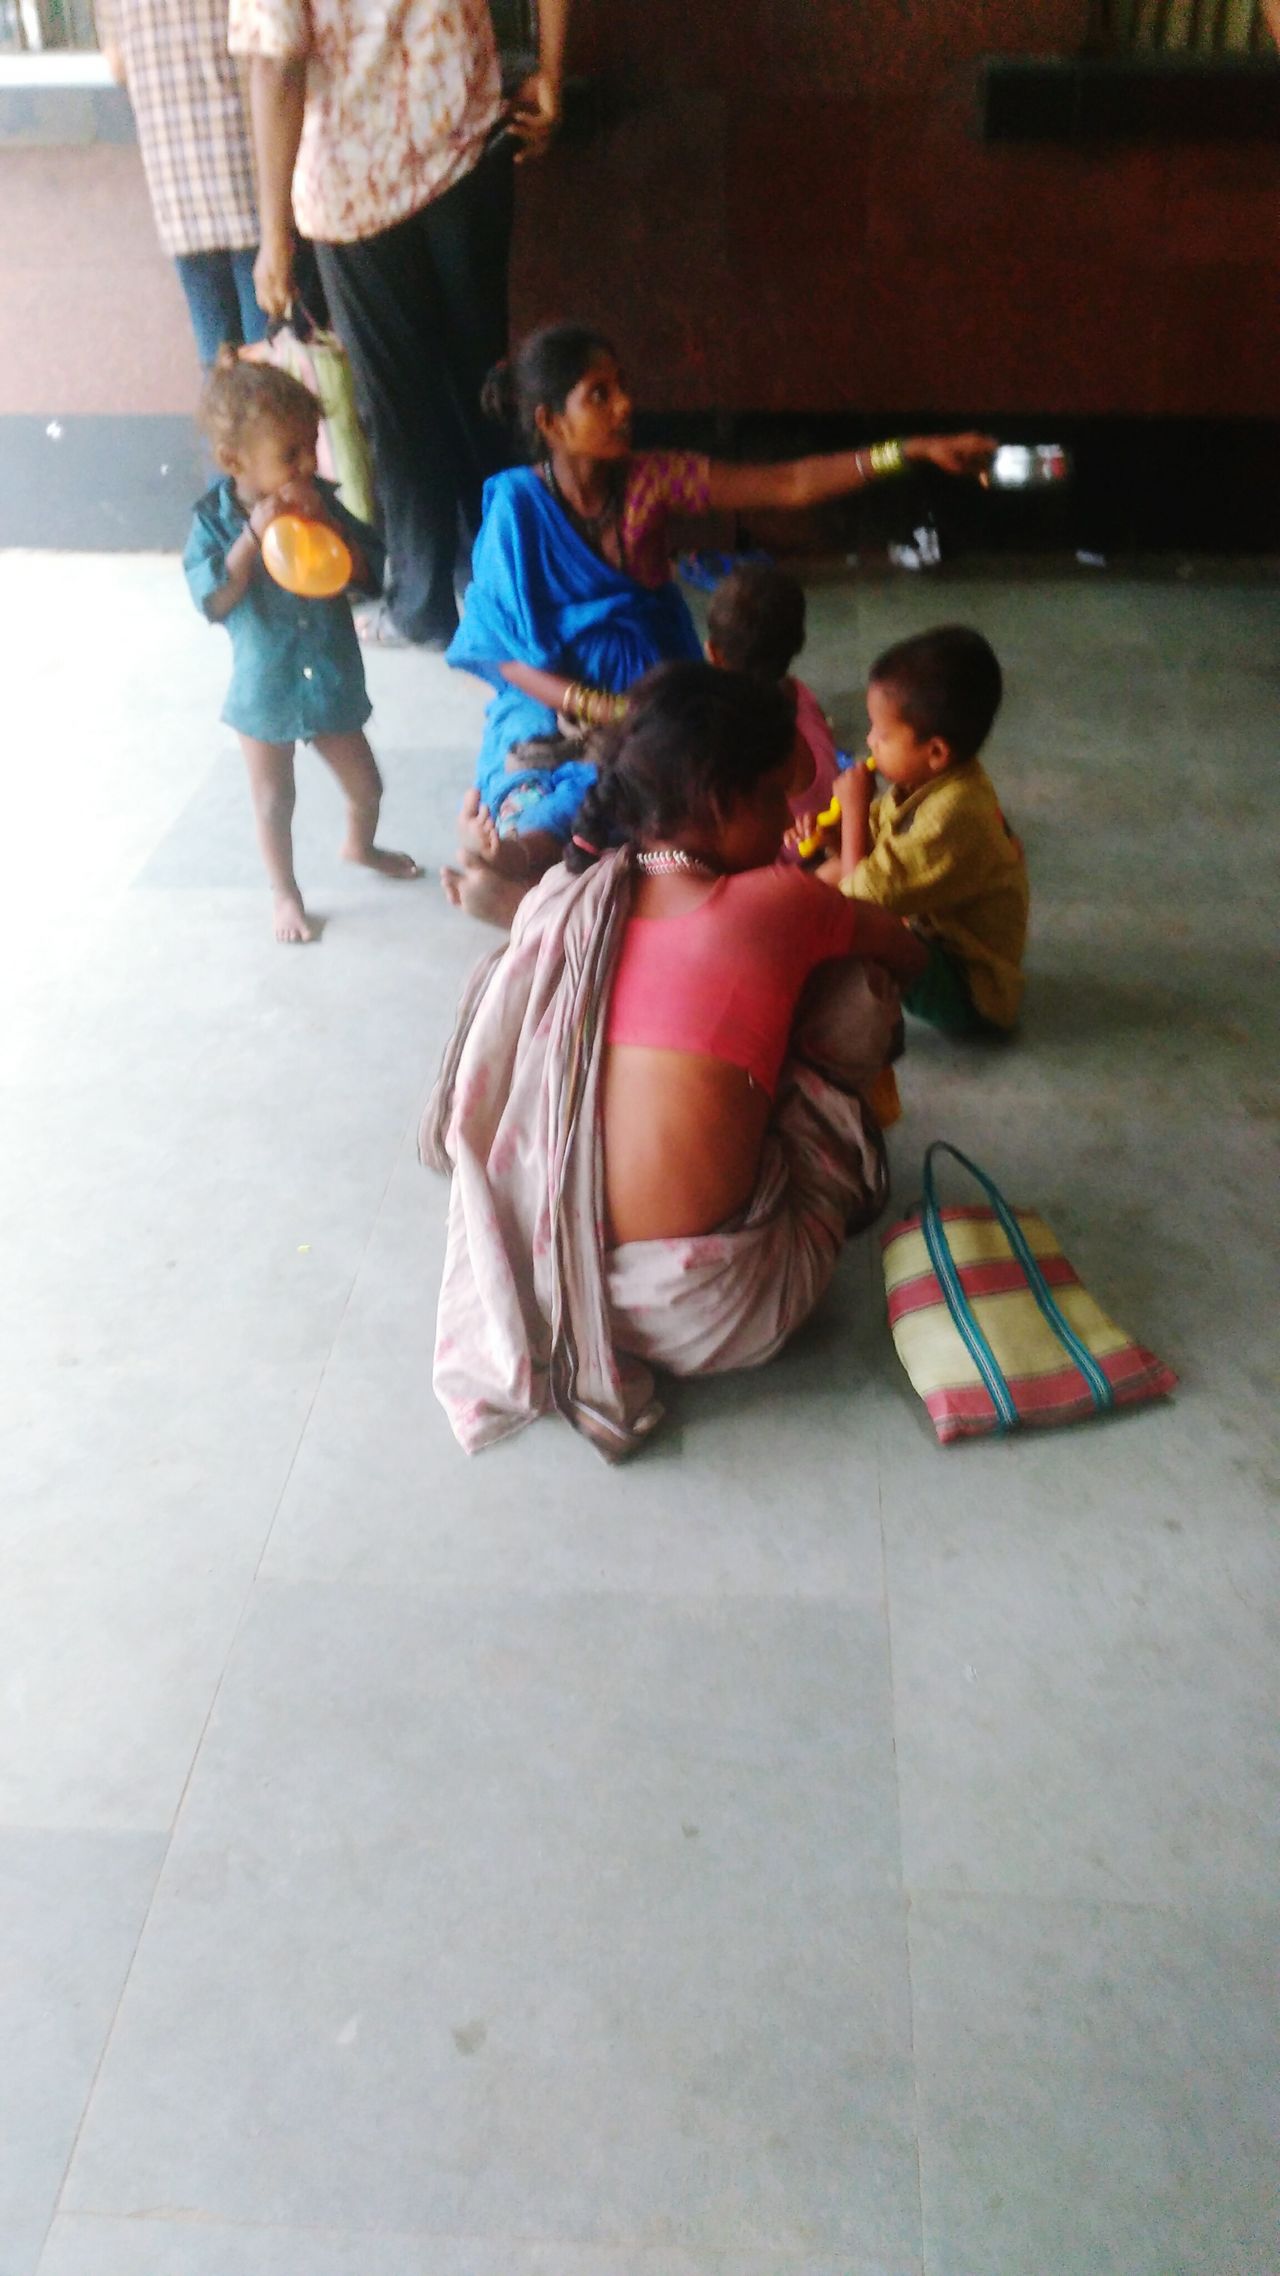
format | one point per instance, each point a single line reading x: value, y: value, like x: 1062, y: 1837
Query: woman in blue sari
x: 572, y: 598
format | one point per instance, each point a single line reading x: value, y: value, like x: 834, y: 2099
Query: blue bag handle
x: 961, y: 1311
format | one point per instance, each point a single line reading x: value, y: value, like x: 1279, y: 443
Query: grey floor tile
x: 177, y: 1265
x: 87, y: 2246
x: 456, y: 1802
x: 380, y: 1492
x: 107, y: 1687
x: 1084, y: 1644
x: 1098, y: 2089
x: 71, y: 1911
x: 566, y: 1918
x: 211, y: 843
x: 20, y: 2246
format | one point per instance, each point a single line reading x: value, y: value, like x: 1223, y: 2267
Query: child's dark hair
x: 694, y: 740
x: 541, y: 376
x: 756, y: 621
x: 946, y: 683
x: 240, y: 395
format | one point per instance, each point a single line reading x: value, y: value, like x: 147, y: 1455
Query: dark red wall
x: 792, y: 210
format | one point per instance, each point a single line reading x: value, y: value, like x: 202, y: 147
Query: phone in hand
x: 1028, y: 466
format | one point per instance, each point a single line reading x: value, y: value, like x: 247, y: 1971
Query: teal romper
x: 297, y: 671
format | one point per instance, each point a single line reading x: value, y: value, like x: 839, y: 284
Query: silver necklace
x: 673, y: 861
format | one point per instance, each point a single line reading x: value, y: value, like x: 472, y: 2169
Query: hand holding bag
x: 992, y: 1324
x: 317, y: 359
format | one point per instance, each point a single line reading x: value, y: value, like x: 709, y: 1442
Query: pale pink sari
x: 535, y: 1311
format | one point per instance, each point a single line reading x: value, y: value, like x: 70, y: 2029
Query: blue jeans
x: 221, y: 300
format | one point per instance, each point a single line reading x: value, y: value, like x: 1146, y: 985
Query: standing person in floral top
x: 383, y: 121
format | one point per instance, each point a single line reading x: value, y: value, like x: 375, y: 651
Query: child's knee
x: 273, y: 801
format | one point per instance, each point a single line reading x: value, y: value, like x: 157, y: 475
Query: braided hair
x: 694, y: 740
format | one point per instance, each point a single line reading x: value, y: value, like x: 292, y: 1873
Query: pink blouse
x: 723, y: 980
x: 659, y: 483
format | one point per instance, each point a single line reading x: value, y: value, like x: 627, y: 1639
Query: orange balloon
x: 307, y: 558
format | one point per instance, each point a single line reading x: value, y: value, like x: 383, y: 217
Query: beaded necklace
x: 673, y: 861
x: 590, y: 526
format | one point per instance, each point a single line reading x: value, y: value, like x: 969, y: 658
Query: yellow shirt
x: 944, y: 857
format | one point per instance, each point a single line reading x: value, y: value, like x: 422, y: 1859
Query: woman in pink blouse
x: 572, y: 598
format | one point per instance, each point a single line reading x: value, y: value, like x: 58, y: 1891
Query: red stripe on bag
x: 965, y: 1410
x: 990, y: 1276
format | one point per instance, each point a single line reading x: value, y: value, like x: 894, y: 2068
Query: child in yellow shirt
x: 934, y: 847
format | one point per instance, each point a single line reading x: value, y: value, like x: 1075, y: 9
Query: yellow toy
x: 307, y: 558
x: 827, y: 820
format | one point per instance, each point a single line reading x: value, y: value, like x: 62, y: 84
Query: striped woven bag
x: 992, y: 1324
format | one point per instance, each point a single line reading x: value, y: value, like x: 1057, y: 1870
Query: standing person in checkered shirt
x: 381, y: 125
x: 193, y: 132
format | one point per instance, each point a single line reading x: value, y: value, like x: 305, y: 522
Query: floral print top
x: 401, y: 96
x: 659, y: 483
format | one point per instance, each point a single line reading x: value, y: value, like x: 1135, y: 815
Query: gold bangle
x: 572, y: 705
x: 886, y: 458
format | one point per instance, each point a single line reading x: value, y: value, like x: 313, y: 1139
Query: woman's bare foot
x: 291, y: 919
x: 478, y: 841
x: 483, y: 893
x: 476, y: 833
x: 374, y: 857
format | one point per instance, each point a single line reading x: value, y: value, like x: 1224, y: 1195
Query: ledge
x: 1135, y: 98
x: 54, y: 100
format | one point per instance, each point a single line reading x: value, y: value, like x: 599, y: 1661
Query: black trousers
x: 422, y: 312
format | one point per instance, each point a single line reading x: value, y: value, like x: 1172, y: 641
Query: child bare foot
x: 483, y: 893
x: 375, y: 857
x: 291, y: 919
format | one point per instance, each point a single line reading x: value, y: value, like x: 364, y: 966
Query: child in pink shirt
x: 756, y: 624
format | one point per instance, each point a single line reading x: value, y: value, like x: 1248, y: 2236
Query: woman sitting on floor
x: 657, y: 1128
x: 572, y: 597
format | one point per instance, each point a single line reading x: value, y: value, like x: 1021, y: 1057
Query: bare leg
x: 271, y: 787
x: 483, y: 893
x: 356, y: 769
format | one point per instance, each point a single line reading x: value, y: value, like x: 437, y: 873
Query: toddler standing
x: 297, y: 672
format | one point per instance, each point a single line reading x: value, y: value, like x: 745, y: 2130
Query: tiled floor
x: 802, y: 1853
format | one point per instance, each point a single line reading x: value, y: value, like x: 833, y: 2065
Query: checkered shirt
x: 192, y: 127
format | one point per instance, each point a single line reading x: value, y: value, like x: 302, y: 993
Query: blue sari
x: 540, y: 596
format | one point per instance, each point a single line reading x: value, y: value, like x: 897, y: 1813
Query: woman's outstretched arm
x: 809, y: 481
